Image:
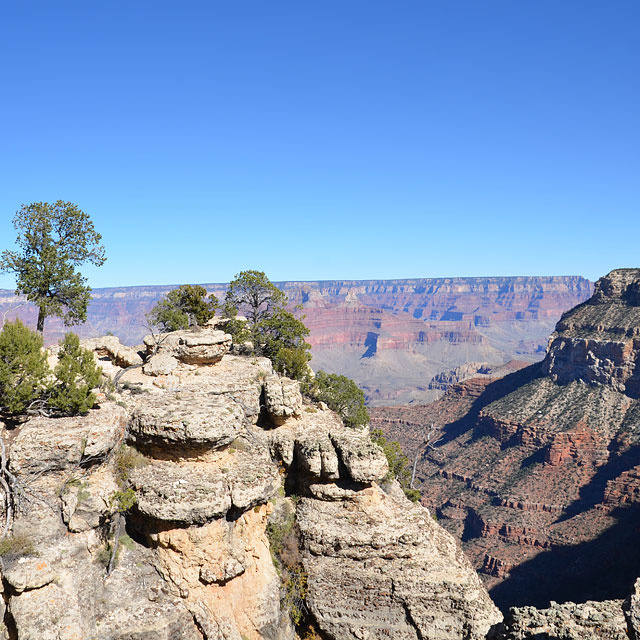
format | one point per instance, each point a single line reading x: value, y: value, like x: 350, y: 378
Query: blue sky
x: 328, y: 140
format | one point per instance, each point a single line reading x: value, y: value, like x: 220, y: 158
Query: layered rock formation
x: 391, y: 336
x: 174, y: 483
x: 539, y: 473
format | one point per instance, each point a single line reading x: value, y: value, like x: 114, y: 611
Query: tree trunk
x: 41, y: 317
x: 116, y: 542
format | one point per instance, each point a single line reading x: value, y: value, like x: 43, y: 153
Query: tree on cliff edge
x: 274, y: 332
x: 184, y: 307
x: 53, y: 240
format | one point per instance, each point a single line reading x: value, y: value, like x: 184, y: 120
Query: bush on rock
x: 76, y: 376
x: 23, y: 368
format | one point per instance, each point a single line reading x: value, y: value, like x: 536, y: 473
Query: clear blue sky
x: 333, y: 139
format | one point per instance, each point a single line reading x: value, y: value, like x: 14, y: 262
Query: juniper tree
x: 184, y: 307
x: 274, y: 331
x: 53, y: 240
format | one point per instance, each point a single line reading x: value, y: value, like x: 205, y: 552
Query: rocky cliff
x: 204, y: 499
x: 538, y: 473
x: 390, y: 336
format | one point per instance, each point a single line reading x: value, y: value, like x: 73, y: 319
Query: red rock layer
x: 539, y: 474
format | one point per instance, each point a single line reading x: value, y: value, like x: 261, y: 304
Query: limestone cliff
x: 538, y: 473
x: 152, y: 517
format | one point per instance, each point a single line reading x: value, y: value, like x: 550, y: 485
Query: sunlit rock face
x: 189, y: 472
x: 539, y: 470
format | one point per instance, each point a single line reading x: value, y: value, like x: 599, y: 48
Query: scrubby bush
x: 399, y: 468
x: 16, y: 545
x: 183, y: 307
x: 76, y: 376
x: 23, y: 368
x: 284, y: 544
x: 342, y: 395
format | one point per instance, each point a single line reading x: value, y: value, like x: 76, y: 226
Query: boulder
x: 187, y: 417
x: 55, y: 444
x: 86, y: 503
x: 282, y: 398
x: 161, y: 364
x: 364, y: 460
x: 193, y: 346
x: 110, y: 346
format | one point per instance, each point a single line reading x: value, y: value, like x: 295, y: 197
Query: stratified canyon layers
x: 391, y: 336
x: 538, y: 473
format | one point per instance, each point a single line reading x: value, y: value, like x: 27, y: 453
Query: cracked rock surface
x: 202, y: 458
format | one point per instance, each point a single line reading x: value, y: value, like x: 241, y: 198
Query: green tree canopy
x: 274, y: 331
x: 342, y: 395
x: 23, y: 367
x: 77, y: 374
x: 184, y: 307
x: 53, y: 240
x: 254, y: 295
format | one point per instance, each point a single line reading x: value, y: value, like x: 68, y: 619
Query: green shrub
x: 76, y: 375
x: 284, y: 544
x: 342, y: 395
x: 126, y: 459
x: 123, y: 500
x: 399, y: 468
x: 183, y: 307
x: 23, y: 367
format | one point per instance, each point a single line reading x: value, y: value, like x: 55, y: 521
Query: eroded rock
x: 187, y: 417
x: 193, y: 346
x: 282, y: 398
x: 631, y: 608
x: 570, y: 621
x: 161, y: 364
x: 54, y: 444
x: 380, y: 567
x: 111, y: 347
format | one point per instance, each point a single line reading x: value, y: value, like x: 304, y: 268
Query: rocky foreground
x: 538, y: 473
x: 153, y: 516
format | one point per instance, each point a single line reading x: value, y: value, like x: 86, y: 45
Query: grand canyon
x: 537, y: 473
x: 391, y: 336
x: 253, y: 512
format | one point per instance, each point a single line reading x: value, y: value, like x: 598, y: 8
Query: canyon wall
x: 538, y: 473
x: 391, y: 336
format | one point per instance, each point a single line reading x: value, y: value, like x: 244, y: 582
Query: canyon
x: 391, y: 336
x: 203, y: 497
x: 537, y: 472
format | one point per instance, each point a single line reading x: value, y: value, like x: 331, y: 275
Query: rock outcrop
x: 586, y: 621
x: 599, y: 341
x: 541, y: 469
x: 198, y: 346
x: 176, y: 483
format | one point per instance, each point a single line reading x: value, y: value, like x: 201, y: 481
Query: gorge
x: 391, y: 336
x: 538, y: 472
